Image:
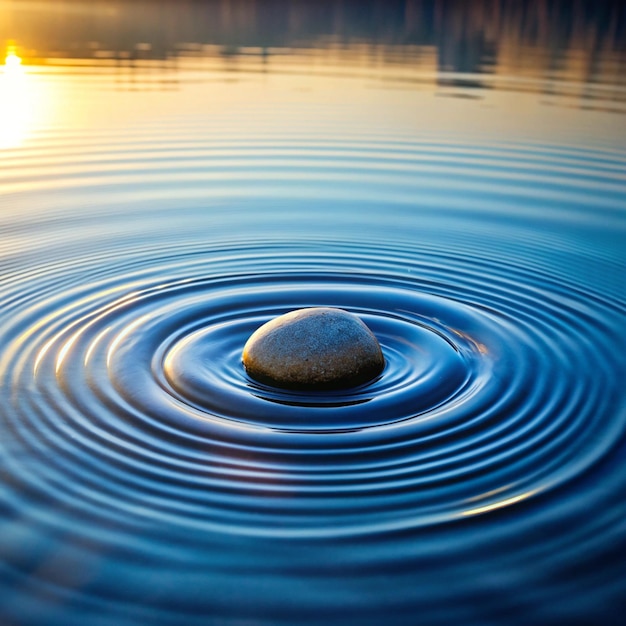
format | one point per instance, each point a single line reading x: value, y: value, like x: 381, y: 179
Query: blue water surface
x: 174, y: 175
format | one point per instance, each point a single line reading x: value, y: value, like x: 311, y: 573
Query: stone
x: 313, y: 349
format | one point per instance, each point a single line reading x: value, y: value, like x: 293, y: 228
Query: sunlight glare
x: 12, y: 61
x: 15, y: 102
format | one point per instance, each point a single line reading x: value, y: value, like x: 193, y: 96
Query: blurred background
x: 471, y: 44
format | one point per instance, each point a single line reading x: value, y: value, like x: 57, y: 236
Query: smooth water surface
x: 174, y: 175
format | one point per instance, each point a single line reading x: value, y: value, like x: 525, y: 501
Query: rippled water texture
x: 172, y: 176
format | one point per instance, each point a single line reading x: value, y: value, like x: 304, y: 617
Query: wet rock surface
x: 314, y: 349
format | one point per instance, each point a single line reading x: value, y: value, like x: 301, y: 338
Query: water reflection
x: 557, y: 48
x: 14, y: 104
x: 177, y: 174
x: 12, y: 61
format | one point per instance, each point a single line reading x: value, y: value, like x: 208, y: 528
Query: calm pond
x: 175, y: 174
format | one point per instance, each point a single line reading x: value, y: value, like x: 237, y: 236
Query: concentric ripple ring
x: 484, y: 400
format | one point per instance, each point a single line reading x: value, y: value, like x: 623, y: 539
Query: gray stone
x: 318, y: 348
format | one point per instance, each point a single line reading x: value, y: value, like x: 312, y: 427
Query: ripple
x: 136, y: 264
x: 494, y: 391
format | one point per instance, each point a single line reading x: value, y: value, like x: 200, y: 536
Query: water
x: 173, y: 176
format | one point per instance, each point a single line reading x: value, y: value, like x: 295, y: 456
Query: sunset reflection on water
x: 174, y: 174
x: 15, y: 101
x: 545, y: 47
x: 412, y: 59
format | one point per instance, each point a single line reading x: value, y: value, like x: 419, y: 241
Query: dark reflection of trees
x: 470, y: 37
